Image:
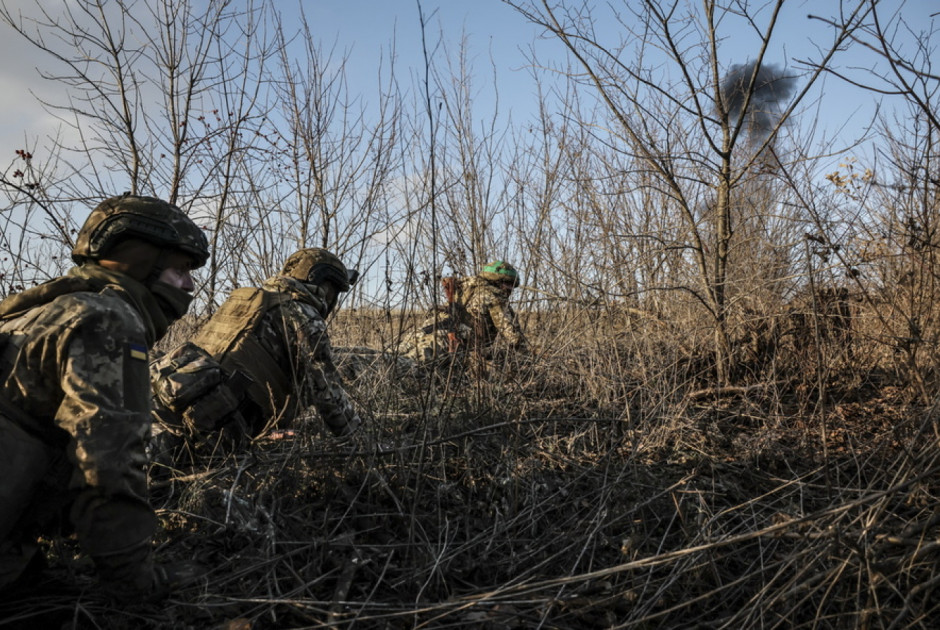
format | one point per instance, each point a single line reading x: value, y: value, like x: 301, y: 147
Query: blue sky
x: 364, y: 29
x: 498, y: 38
x: 495, y: 33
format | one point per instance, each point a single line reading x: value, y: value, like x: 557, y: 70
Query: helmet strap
x: 156, y: 269
x: 327, y: 292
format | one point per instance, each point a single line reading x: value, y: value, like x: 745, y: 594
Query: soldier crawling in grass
x: 260, y: 361
x: 477, y: 319
x: 75, y: 397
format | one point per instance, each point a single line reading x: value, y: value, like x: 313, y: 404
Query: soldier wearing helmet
x: 260, y: 360
x: 477, y: 317
x: 75, y: 393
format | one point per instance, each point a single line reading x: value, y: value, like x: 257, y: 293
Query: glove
x: 150, y: 583
x: 173, y: 576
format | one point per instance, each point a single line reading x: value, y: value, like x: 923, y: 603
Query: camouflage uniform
x: 259, y: 361
x: 74, y: 418
x: 478, y: 318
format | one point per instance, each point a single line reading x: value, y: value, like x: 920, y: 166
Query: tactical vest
x: 229, y: 337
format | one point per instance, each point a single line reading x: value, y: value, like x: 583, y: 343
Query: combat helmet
x: 315, y: 265
x: 147, y: 218
x: 500, y: 271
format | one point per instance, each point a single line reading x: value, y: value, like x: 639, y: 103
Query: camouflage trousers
x: 25, y: 463
x: 427, y: 345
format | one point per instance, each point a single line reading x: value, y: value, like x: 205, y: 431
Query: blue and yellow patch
x: 137, y: 351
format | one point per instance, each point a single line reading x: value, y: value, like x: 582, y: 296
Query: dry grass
x: 601, y: 483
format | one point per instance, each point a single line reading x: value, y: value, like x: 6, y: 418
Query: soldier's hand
x: 152, y: 582
x: 172, y: 576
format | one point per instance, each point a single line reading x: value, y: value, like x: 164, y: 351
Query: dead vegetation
x: 594, y: 484
x: 730, y: 416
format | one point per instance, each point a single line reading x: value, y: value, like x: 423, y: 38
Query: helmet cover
x: 146, y: 218
x: 316, y: 265
x: 500, y: 271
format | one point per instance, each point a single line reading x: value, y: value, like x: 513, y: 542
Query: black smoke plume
x: 771, y: 88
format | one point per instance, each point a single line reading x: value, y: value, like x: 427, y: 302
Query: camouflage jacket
x: 73, y: 374
x: 478, y: 317
x: 488, y: 313
x: 284, y: 351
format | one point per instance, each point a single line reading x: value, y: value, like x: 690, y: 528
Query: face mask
x: 329, y: 296
x: 173, y: 302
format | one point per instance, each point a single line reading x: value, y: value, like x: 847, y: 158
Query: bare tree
x: 32, y: 226
x: 458, y: 195
x: 701, y: 126
x: 146, y: 85
x: 214, y: 107
x: 335, y: 151
x: 906, y: 53
x: 891, y: 246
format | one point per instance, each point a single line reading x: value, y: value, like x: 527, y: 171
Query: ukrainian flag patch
x: 137, y: 351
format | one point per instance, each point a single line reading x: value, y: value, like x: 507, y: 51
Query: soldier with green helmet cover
x: 75, y: 395
x: 476, y: 318
x: 259, y: 361
x: 500, y: 273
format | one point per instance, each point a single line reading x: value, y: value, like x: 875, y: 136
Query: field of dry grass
x: 601, y: 481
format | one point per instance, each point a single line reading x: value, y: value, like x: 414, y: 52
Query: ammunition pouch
x: 219, y: 406
x: 229, y: 337
x: 200, y: 394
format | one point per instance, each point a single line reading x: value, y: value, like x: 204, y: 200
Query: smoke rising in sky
x: 771, y: 89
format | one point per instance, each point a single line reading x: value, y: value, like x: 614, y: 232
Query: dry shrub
x: 587, y: 485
